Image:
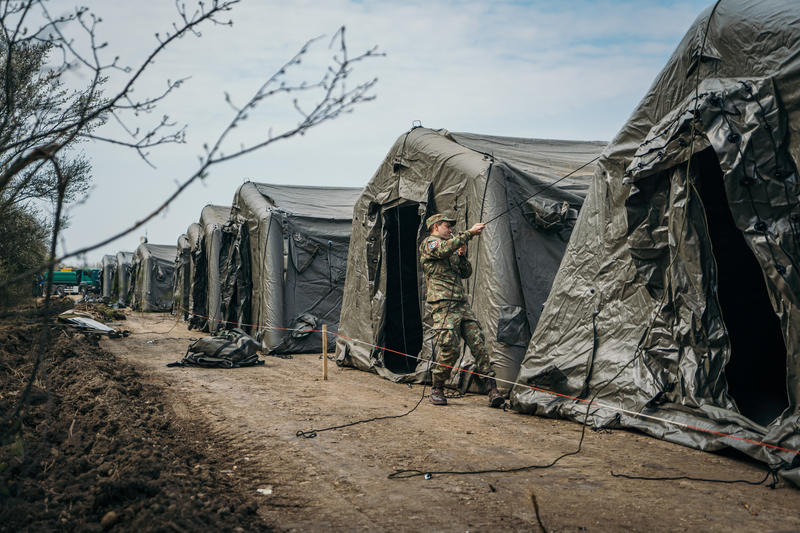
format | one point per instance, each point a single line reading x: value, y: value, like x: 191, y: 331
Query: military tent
x: 181, y: 278
x: 678, y: 298
x: 510, y: 181
x: 122, y: 277
x: 284, y: 270
x: 196, y: 297
x: 109, y: 267
x: 151, y: 280
x: 210, y: 244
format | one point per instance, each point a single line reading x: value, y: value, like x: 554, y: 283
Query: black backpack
x: 228, y: 349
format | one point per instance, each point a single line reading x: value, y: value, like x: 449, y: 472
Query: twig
x: 538, y: 515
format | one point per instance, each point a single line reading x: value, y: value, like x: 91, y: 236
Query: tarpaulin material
x: 196, y: 274
x: 151, y: 284
x: 109, y: 268
x: 678, y: 294
x: 474, y: 178
x: 181, y: 278
x: 122, y: 277
x: 210, y: 249
x: 85, y: 322
x: 285, y: 264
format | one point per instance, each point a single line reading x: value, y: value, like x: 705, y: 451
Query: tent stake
x: 325, y: 352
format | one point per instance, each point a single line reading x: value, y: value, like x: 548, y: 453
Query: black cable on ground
x: 311, y: 433
x: 405, y: 473
x: 770, y: 472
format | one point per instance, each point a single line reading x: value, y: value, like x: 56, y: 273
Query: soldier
x: 444, y: 262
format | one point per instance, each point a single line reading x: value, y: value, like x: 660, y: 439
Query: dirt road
x: 338, y: 480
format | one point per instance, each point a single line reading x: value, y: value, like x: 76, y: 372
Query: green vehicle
x: 74, y: 281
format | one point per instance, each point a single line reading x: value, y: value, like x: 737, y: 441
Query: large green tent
x: 676, y: 304
x: 109, y: 268
x: 152, y: 275
x: 473, y: 177
x: 121, y: 281
x: 283, y: 265
x: 181, y: 277
x: 208, y: 250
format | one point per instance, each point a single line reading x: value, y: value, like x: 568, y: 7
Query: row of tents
x: 655, y: 275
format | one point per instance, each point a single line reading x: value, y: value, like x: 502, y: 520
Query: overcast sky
x: 560, y: 70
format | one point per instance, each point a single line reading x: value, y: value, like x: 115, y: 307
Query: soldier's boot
x: 437, y: 393
x: 496, y: 398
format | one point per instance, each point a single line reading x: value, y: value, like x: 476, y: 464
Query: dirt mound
x: 97, y: 449
x: 100, y: 311
x: 32, y: 312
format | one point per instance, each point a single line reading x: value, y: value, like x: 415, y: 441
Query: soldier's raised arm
x: 442, y: 249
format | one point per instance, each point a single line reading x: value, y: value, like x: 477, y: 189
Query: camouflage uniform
x: 450, y: 311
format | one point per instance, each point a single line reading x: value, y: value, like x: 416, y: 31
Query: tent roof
x: 740, y: 39
x: 306, y: 200
x: 547, y: 159
x: 193, y: 234
x: 445, y: 159
x: 215, y: 214
x: 163, y: 252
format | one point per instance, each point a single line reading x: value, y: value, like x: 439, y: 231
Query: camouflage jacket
x: 444, y: 268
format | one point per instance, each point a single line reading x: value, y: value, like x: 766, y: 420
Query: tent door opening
x: 756, y: 371
x: 402, y: 330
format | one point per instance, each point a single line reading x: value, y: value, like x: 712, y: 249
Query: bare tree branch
x: 87, y: 111
x: 334, y: 99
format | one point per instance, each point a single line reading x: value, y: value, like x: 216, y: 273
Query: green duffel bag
x: 228, y: 349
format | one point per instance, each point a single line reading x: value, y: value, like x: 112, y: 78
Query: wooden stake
x: 325, y: 352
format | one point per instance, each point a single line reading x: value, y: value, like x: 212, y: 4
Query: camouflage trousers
x: 452, y: 319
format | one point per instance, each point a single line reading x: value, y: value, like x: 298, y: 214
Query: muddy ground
x: 238, y: 428
x: 339, y: 479
x: 98, y: 447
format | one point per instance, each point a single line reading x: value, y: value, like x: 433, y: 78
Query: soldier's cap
x: 438, y: 217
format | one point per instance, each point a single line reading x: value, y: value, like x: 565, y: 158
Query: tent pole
x: 325, y: 352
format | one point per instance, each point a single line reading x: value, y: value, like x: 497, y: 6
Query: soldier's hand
x: 477, y: 228
x: 462, y: 249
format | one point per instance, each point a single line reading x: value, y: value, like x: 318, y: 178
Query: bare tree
x: 41, y: 120
x: 35, y: 140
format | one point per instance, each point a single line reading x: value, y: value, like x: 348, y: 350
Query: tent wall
x: 122, y: 277
x: 109, y: 266
x: 315, y: 274
x: 236, y: 277
x: 197, y: 296
x: 636, y: 314
x: 213, y: 241
x: 151, y: 284
x: 181, y: 277
x: 476, y: 178
x: 296, y: 239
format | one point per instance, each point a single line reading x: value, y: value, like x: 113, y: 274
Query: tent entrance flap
x: 756, y: 371
x: 402, y: 330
